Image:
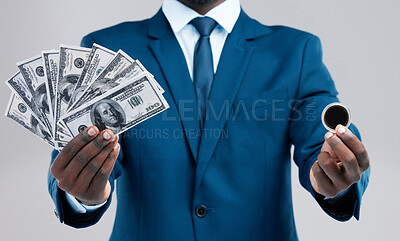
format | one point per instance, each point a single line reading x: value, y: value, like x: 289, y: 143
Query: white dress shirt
x: 179, y: 17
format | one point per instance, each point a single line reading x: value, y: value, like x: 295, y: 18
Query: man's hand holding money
x: 84, y: 165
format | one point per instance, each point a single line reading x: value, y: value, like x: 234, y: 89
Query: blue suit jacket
x: 268, y: 94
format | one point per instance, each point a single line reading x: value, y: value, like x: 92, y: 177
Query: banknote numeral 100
x: 152, y: 107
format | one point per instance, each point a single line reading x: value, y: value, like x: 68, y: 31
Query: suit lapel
x: 232, y: 66
x: 233, y: 63
x: 172, y: 61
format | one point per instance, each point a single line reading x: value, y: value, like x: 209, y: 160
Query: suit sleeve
x: 64, y: 211
x: 87, y: 41
x: 315, y: 90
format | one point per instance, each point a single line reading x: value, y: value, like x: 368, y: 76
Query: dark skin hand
x: 342, y: 161
x: 201, y: 6
x: 83, y: 167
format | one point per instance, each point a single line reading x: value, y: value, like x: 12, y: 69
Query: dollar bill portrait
x: 40, y: 97
x: 108, y: 114
x: 101, y: 86
x: 39, y: 129
x: 66, y: 87
x: 78, y: 93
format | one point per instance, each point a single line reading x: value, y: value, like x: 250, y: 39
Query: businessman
x: 251, y: 92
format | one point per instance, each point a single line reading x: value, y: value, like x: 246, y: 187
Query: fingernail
x: 328, y: 135
x: 116, y: 146
x: 106, y: 135
x: 341, y: 130
x: 91, y: 131
x: 113, y: 139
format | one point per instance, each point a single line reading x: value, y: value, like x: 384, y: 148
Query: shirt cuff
x: 340, y: 196
x: 78, y: 207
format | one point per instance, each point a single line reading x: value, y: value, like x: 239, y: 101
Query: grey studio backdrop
x: 361, y: 50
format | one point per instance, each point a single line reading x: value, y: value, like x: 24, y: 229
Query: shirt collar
x: 179, y: 15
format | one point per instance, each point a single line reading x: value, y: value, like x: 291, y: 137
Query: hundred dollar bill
x: 118, y: 69
x: 50, y: 63
x: 98, y: 59
x: 19, y: 87
x: 120, y: 108
x: 102, y: 86
x: 120, y: 62
x: 19, y: 112
x: 72, y: 61
x: 33, y: 72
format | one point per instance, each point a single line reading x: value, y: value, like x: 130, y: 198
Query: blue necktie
x: 203, y: 68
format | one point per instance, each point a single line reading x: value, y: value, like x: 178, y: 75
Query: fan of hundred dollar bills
x: 60, y: 93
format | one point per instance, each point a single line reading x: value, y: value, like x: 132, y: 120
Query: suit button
x: 201, y: 211
x: 56, y: 213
